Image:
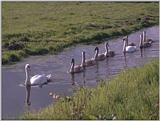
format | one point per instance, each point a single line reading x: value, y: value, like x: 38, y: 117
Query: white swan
x: 37, y: 79
x: 128, y: 49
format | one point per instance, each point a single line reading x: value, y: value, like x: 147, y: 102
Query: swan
x: 130, y: 44
x: 89, y: 62
x: 99, y: 57
x: 145, y: 38
x: 75, y: 69
x: 143, y: 44
x: 37, y: 79
x: 128, y: 49
x: 108, y: 52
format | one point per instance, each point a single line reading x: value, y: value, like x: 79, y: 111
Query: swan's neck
x: 144, y: 36
x: 107, y: 49
x: 83, y: 59
x: 72, y: 67
x: 96, y: 54
x: 141, y: 42
x: 27, y: 81
x: 127, y: 41
x: 124, y: 46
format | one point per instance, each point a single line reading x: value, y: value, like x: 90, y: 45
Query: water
x: 13, y: 95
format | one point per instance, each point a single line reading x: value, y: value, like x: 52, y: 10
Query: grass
x: 38, y: 28
x: 133, y: 94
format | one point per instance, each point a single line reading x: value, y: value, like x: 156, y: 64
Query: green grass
x: 38, y: 28
x: 133, y: 94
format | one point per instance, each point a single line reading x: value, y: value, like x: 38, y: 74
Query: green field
x: 38, y: 28
x: 133, y: 94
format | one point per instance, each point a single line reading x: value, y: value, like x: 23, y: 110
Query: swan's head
x: 96, y: 49
x: 144, y: 32
x: 125, y: 38
x: 83, y: 52
x: 106, y: 44
x: 27, y: 67
x: 72, y: 61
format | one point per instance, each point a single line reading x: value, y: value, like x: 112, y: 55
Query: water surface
x: 13, y: 95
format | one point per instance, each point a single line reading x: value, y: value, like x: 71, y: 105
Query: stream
x: 13, y: 95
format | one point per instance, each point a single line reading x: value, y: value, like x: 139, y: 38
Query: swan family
x: 127, y: 48
x: 41, y: 79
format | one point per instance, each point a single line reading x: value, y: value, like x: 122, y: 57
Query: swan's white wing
x: 38, y: 79
x: 130, y: 48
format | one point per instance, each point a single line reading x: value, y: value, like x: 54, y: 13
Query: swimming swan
x: 128, y: 49
x: 37, y: 79
x: 108, y: 52
x: 99, y: 57
x: 75, y: 68
x: 89, y: 62
x: 145, y: 38
x: 144, y: 44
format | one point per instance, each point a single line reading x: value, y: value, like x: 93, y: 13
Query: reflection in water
x: 73, y: 79
x: 108, y: 68
x: 28, y: 92
x: 141, y: 50
x: 97, y: 72
x: 84, y: 78
x: 125, y: 61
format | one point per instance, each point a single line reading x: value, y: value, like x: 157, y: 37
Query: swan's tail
x: 49, y: 77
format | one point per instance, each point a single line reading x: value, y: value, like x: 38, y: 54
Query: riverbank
x: 47, y: 28
x: 133, y: 94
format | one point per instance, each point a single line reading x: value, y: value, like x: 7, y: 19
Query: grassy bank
x: 38, y: 28
x: 133, y: 94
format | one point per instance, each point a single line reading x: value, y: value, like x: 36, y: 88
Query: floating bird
x: 144, y: 44
x: 129, y: 48
x: 89, y: 62
x: 35, y: 80
x: 108, y: 52
x: 75, y: 68
x: 38, y: 79
x: 145, y: 38
x: 99, y: 57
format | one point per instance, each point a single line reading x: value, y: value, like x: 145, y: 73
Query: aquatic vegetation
x: 38, y: 28
x: 133, y: 94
